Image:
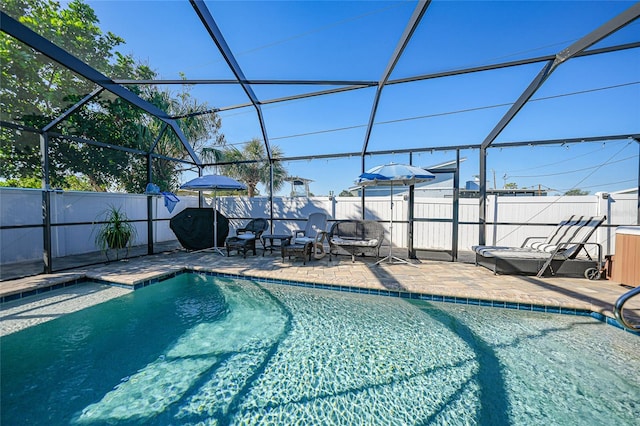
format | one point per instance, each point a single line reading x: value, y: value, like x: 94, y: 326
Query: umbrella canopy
x: 394, y: 174
x: 214, y: 182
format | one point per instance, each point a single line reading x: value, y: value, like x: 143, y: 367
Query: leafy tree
x: 73, y: 183
x: 35, y: 90
x: 576, y: 191
x: 202, y: 132
x: 31, y: 182
x: 511, y: 185
x: 346, y: 193
x: 251, y: 174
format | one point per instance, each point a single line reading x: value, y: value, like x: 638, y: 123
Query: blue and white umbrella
x: 389, y: 175
x: 394, y: 174
x: 214, y: 183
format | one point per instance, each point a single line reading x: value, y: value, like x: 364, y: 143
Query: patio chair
x: 355, y: 237
x: 245, y: 238
x: 314, y: 233
x: 556, y: 254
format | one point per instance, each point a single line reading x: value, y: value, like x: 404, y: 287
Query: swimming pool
x: 197, y: 349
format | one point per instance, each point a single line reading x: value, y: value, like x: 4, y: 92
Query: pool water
x: 205, y: 350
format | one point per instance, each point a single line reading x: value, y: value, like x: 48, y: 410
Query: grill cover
x: 194, y: 228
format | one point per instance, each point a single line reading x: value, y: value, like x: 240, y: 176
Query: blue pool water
x: 215, y: 351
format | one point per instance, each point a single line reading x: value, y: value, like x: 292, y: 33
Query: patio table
x: 283, y: 238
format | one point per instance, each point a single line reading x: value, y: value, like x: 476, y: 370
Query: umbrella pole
x: 215, y: 223
x: 391, y: 229
x: 391, y: 258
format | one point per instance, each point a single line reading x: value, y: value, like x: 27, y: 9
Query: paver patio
x: 454, y: 279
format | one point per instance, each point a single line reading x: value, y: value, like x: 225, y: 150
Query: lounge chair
x: 556, y: 254
x: 314, y: 233
x: 245, y: 238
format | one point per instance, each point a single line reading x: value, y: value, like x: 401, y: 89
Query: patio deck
x: 458, y: 279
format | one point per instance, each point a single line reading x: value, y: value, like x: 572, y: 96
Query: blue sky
x: 354, y: 40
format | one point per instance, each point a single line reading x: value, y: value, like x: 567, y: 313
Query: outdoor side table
x: 297, y: 250
x: 283, y: 238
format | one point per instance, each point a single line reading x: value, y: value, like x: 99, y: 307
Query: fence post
x: 603, y: 207
x: 333, y: 206
x: 495, y: 219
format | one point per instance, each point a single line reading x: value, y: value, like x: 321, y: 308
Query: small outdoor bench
x: 355, y: 237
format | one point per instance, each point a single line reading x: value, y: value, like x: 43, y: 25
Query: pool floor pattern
x: 282, y: 355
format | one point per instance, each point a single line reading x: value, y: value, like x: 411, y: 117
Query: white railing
x: 21, y: 218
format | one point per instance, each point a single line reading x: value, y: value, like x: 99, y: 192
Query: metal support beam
x: 456, y: 209
x: 579, y: 46
x: 363, y: 189
x: 599, y: 33
x: 413, y: 23
x: 410, y: 216
x: 98, y: 144
x: 367, y: 83
x: 519, y: 103
x: 150, y: 201
x: 574, y: 49
x: 566, y: 141
x: 638, y: 192
x: 410, y: 227
x: 110, y: 146
x: 454, y: 147
x: 509, y: 64
x: 250, y: 82
x: 271, y: 196
x: 212, y: 28
x: 635, y: 136
x: 73, y: 109
x: 422, y: 77
x: 32, y: 39
x: 482, y: 214
x: 455, y: 171
x: 356, y: 85
x: 47, y: 256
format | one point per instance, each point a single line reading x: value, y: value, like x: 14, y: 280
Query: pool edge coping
x: 531, y: 307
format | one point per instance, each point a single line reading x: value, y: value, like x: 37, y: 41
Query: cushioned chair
x: 245, y: 238
x: 314, y: 232
x: 555, y: 254
x: 356, y: 237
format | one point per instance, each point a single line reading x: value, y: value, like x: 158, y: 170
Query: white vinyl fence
x: 73, y: 215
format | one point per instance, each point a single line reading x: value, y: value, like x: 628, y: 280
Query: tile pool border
x: 425, y: 297
x: 43, y: 289
x: 334, y: 287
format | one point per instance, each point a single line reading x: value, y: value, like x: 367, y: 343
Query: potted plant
x: 115, y: 232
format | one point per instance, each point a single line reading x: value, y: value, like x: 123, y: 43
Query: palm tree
x: 257, y: 169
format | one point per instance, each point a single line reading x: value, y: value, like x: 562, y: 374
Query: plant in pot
x: 115, y: 232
